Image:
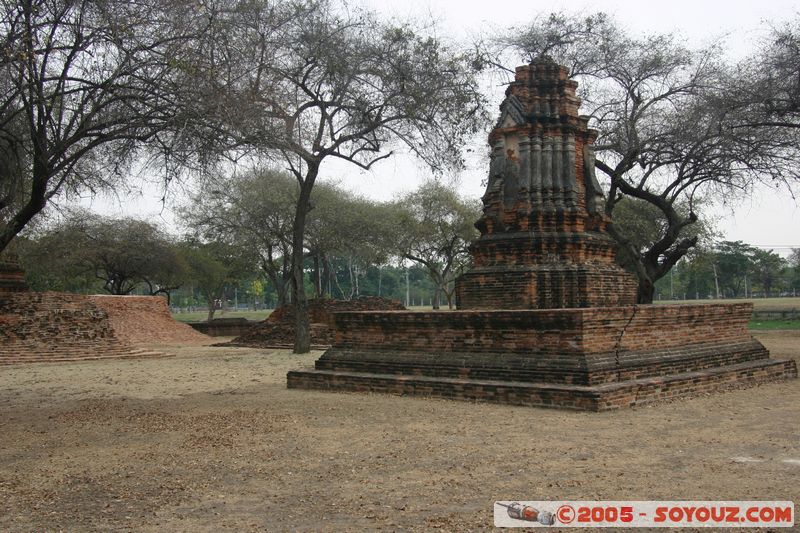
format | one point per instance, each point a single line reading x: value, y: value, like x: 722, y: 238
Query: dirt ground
x: 211, y: 439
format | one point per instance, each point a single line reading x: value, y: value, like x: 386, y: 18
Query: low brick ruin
x: 277, y: 331
x: 56, y: 326
x: 146, y: 320
x: 546, y: 317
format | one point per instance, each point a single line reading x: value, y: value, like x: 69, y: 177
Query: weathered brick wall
x: 592, y: 330
x: 12, y: 280
x: 545, y: 287
x: 52, y: 326
x: 570, y: 346
x: 224, y: 327
x: 145, y: 320
x: 279, y: 327
x: 601, y: 398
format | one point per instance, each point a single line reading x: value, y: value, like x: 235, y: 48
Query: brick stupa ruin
x: 546, y: 316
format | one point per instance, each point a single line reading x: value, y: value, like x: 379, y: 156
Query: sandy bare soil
x: 211, y: 440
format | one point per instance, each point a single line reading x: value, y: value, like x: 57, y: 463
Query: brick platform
x: 595, y: 359
x: 53, y: 327
x: 546, y: 315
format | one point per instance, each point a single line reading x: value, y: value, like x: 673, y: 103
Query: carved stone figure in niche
x: 497, y: 168
x: 510, y: 178
x: 594, y: 193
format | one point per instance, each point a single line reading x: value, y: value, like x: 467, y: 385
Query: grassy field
x: 759, y: 304
x: 201, y: 316
x: 768, y: 325
x: 764, y: 304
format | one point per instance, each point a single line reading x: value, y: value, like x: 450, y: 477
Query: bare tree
x: 83, y: 84
x: 309, y: 81
x: 764, y: 90
x: 666, y: 135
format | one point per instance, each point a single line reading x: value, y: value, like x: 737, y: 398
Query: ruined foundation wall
x: 53, y: 326
x: 592, y: 330
x: 145, y: 320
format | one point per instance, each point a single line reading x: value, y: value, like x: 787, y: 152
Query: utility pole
x: 671, y: 281
x: 716, y: 279
x: 408, y: 290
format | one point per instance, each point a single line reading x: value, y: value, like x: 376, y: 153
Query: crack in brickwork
x: 618, y: 344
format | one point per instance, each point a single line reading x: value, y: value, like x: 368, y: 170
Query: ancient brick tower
x: 543, y: 242
x: 546, y: 317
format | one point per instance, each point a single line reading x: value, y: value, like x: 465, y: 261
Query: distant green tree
x: 436, y: 226
x: 767, y: 268
x: 794, y: 265
x: 123, y: 253
x: 212, y: 267
x: 253, y: 211
x: 347, y: 233
x: 733, y: 261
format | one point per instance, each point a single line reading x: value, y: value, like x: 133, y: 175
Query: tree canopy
x: 122, y: 253
x: 307, y: 81
x: 84, y: 84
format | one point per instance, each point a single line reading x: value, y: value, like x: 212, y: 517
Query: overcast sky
x: 768, y: 218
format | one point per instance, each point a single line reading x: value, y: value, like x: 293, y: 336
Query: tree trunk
x: 317, y: 276
x: 37, y: 199
x: 436, y: 297
x: 302, y: 339
x: 352, y: 282
x: 449, y: 295
x: 326, y: 277
x: 212, y: 306
x: 645, y: 291
x: 335, y: 277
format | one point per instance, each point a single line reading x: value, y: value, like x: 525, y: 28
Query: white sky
x: 767, y: 219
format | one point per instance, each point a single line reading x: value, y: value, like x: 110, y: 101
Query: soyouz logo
x: 718, y: 514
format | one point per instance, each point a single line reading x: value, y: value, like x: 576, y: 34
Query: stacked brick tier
x: 145, y: 320
x: 278, y: 329
x: 51, y: 326
x: 543, y: 242
x: 592, y: 359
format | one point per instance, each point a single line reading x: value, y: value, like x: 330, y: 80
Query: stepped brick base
x: 54, y: 327
x: 594, y: 359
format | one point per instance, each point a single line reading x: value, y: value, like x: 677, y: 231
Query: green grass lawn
x: 201, y: 316
x: 772, y: 304
x: 774, y: 324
